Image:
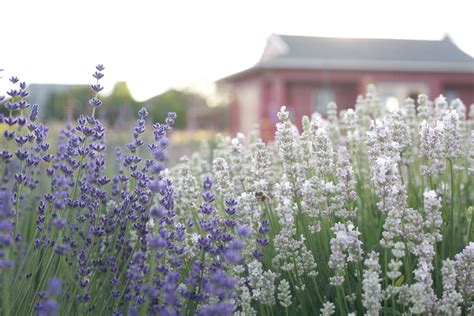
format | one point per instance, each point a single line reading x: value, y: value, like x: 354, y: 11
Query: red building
x: 305, y: 73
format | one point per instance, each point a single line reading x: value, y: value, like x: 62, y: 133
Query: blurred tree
x: 170, y: 101
x: 119, y: 107
x: 67, y: 102
x: 67, y: 105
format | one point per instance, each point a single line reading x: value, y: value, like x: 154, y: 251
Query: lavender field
x: 362, y: 212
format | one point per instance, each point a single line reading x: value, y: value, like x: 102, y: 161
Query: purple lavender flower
x: 156, y: 241
x: 220, y: 284
x: 48, y: 308
x: 207, y: 184
x: 221, y: 309
x: 98, y: 75
x: 143, y: 113
x: 59, y: 222
x: 95, y: 102
x: 55, y: 287
x: 6, y: 227
x: 244, y: 230
x: 6, y: 204
x: 233, y: 253
x: 96, y: 88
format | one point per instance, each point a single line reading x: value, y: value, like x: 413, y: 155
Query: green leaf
x: 400, y: 281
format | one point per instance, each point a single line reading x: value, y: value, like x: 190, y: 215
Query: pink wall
x: 464, y: 92
x: 300, y: 95
x: 294, y: 88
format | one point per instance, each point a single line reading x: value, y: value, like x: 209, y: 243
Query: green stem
x: 5, y: 292
x: 451, y: 214
x: 469, y: 229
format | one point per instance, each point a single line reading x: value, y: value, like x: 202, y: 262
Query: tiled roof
x: 305, y: 52
x: 331, y: 48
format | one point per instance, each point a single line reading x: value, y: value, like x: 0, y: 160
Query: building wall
x: 246, y: 95
x: 258, y: 97
x: 465, y: 92
x: 437, y: 82
x: 305, y: 97
x: 397, y: 91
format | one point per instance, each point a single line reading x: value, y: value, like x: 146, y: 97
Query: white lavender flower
x: 440, y: 105
x: 403, y: 293
x: 287, y: 139
x: 306, y: 144
x: 423, y: 297
x: 332, y: 112
x: 416, y: 298
x: 244, y: 300
x: 451, y: 300
x: 322, y: 149
x: 433, y: 219
x: 284, y: 293
x: 424, y: 109
x: 223, y: 182
x: 198, y: 163
x: 292, y: 254
x: 350, y: 121
x: 373, y: 101
x: 458, y: 106
x: 398, y: 251
x: 386, y: 181
x: 363, y: 113
x: 314, y: 200
x: 304, y: 262
x: 328, y: 309
x: 285, y: 208
x: 187, y: 189
x: 465, y: 270
x: 345, y: 247
x: 400, y: 134
x: 222, y: 147
x: 410, y: 116
x: 430, y: 148
x: 238, y: 168
x: 333, y: 126
x: 262, y: 283
x: 372, y: 295
x: 379, y: 141
x: 248, y: 203
x: 450, y: 135
x: 260, y: 173
x: 346, y: 186
x: 413, y: 232
x: 334, y: 204
x: 394, y: 267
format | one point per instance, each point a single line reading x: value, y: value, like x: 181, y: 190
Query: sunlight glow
x: 154, y: 45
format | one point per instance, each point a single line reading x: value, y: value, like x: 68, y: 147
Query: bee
x: 261, y: 196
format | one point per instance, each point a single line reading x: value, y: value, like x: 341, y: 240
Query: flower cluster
x: 362, y: 212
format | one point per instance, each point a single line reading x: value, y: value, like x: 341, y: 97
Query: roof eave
x: 239, y: 75
x: 288, y: 63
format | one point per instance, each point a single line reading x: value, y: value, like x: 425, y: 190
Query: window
x: 392, y: 104
x: 389, y: 101
x: 414, y: 95
x: 321, y: 98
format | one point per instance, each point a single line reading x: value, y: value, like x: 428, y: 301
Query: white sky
x: 155, y: 44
